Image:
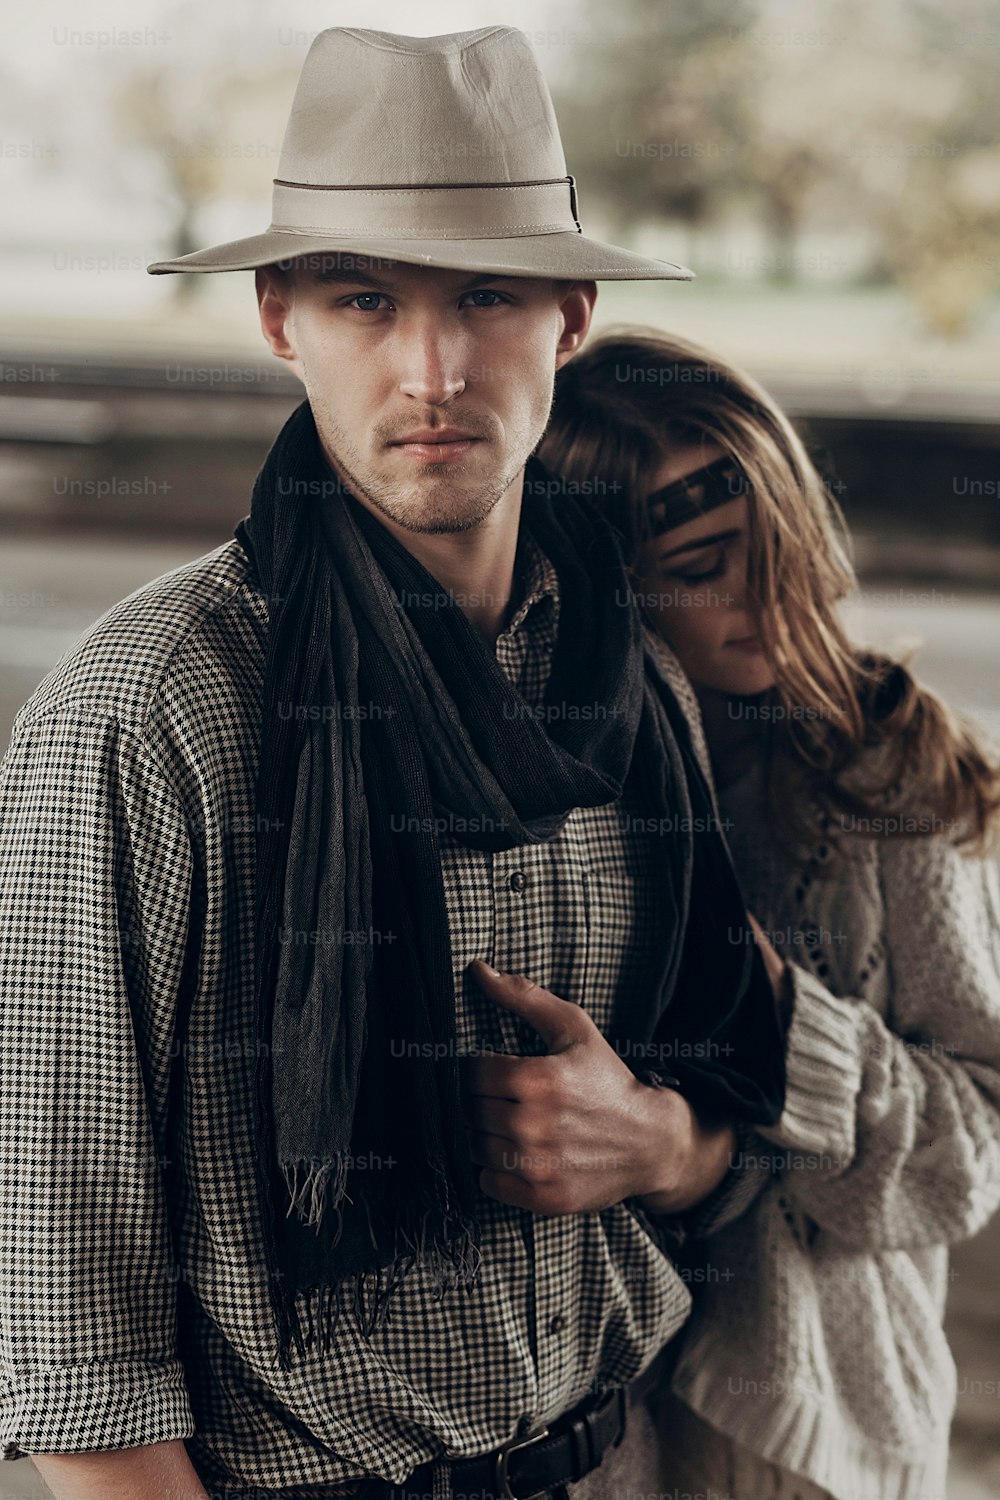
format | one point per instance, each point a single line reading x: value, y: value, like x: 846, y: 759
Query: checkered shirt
x: 133, y: 1303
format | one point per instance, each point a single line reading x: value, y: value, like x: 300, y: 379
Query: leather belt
x: 560, y: 1454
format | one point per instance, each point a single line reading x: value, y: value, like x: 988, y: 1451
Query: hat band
x: 438, y: 211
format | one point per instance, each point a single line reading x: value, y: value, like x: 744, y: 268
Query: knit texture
x: 816, y: 1336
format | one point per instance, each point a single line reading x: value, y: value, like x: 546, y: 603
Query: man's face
x: 430, y: 388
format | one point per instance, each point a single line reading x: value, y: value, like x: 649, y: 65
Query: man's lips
x: 435, y: 435
x: 443, y: 446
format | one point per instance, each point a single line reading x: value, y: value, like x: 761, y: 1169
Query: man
x: 304, y: 1196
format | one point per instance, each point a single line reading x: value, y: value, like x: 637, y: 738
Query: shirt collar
x: 535, y: 579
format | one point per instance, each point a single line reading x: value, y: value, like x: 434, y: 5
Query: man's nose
x: 431, y: 360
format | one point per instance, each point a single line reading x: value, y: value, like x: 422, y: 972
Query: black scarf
x: 384, y: 718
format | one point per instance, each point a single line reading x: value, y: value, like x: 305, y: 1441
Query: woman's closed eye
x: 702, y: 568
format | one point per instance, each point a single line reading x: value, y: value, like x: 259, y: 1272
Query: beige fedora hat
x: 438, y: 151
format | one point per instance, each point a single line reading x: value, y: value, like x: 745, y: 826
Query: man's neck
x: 475, y: 566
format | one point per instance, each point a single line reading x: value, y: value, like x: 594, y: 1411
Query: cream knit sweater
x: 816, y: 1337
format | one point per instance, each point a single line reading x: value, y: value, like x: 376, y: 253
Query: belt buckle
x: 503, y: 1457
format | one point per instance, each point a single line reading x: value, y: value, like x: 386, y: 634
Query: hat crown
x: 432, y: 150
x: 374, y: 107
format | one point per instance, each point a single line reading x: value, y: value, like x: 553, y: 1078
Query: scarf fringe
x: 452, y: 1256
x: 318, y: 1179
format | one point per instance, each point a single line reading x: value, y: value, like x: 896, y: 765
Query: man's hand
x: 575, y: 1131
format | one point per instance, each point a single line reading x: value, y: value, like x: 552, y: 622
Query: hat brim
x: 558, y: 255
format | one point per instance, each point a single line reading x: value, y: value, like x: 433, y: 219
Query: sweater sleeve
x: 892, y: 1128
x: 95, y: 872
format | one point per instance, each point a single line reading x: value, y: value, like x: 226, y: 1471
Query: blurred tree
x: 209, y: 130
x: 650, y: 112
x: 687, y: 113
x: 881, y: 118
x: 940, y: 217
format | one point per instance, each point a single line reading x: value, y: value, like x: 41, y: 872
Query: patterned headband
x: 697, y: 493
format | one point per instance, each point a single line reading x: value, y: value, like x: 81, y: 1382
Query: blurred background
x: 832, y: 173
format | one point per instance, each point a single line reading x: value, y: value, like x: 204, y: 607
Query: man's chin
x: 449, y: 502
x: 419, y: 516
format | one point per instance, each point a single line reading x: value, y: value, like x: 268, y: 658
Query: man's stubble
x: 432, y: 508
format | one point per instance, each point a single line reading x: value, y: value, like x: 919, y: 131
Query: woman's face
x: 692, y: 583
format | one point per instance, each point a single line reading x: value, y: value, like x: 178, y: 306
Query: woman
x: 859, y: 812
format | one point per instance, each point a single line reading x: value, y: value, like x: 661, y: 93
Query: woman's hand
x: 777, y: 971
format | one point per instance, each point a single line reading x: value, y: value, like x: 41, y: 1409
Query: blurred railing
x: 160, y: 446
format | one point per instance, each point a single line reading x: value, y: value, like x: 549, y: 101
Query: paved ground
x: 51, y: 589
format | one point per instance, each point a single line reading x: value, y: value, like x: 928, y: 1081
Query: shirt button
x: 557, y: 1323
x: 518, y: 881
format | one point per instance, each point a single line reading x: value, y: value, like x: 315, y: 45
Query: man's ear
x: 275, y: 303
x: 576, y: 306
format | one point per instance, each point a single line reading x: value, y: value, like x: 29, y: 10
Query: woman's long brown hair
x: 618, y: 405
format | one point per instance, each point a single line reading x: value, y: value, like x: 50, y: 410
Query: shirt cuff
x: 732, y: 1196
x: 743, y: 1181
x: 94, y: 1407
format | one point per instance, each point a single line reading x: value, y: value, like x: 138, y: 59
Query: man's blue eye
x: 369, y: 301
